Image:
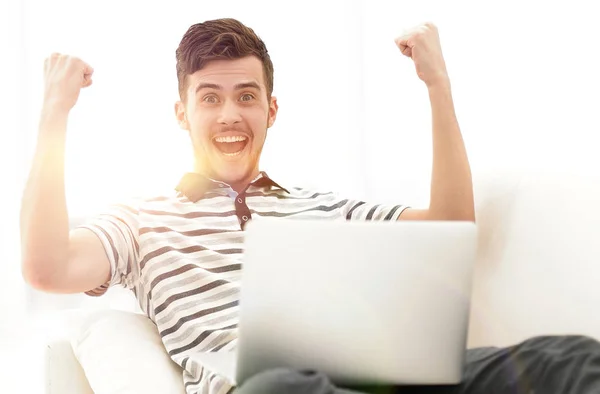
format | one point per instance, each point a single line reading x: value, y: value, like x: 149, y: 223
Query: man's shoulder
x: 147, y: 202
x: 310, y: 192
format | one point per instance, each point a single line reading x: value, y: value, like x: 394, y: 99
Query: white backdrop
x: 353, y: 115
x: 11, y: 131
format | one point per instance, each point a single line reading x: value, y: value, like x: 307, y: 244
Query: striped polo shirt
x: 181, y: 254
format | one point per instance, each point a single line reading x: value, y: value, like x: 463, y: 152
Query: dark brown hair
x: 219, y: 39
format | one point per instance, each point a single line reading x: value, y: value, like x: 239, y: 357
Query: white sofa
x: 537, y: 273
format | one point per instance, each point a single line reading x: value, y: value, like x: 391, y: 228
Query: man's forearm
x: 451, y: 182
x: 44, y: 218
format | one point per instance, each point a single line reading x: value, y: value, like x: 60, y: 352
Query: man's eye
x: 210, y: 99
x: 247, y: 97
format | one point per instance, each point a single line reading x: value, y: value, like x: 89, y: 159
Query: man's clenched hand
x: 64, y: 77
x: 422, y: 45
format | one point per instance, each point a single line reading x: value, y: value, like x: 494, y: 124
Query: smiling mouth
x: 230, y: 145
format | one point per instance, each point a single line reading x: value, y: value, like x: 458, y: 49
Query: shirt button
x: 245, y: 218
x: 240, y: 200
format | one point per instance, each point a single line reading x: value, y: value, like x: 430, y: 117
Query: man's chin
x: 233, y: 171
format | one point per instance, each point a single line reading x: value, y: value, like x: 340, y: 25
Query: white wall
x: 525, y: 82
x: 353, y: 115
x: 11, y: 285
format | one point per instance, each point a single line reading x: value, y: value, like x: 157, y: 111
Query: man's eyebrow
x: 206, y: 85
x: 246, y: 85
x: 239, y: 86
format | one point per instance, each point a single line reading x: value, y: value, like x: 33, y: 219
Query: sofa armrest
x: 63, y: 372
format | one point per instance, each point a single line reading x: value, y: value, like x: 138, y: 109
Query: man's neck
x: 238, y: 186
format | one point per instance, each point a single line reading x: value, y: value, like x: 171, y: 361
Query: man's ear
x: 273, y: 108
x: 181, y: 116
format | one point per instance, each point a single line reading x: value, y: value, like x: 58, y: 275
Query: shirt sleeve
x: 361, y: 210
x: 118, y: 230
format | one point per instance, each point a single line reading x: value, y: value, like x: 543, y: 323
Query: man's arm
x: 52, y: 258
x: 451, y: 182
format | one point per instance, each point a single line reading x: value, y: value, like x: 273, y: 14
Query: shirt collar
x: 194, y: 185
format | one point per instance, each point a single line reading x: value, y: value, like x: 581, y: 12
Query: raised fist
x: 64, y: 76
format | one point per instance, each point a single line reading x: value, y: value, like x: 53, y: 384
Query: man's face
x: 227, y: 114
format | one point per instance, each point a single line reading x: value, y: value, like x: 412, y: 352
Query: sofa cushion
x: 121, y: 352
x: 538, y: 258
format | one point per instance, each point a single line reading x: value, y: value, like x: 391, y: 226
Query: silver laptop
x: 363, y: 302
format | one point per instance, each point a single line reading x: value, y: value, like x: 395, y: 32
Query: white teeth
x: 230, y: 138
x: 232, y: 154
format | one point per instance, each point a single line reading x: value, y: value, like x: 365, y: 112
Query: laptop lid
x: 363, y: 302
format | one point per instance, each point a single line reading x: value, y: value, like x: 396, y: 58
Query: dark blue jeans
x: 541, y: 365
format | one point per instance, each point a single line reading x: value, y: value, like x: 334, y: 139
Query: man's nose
x: 230, y: 113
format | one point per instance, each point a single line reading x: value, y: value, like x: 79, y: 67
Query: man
x: 181, y: 253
